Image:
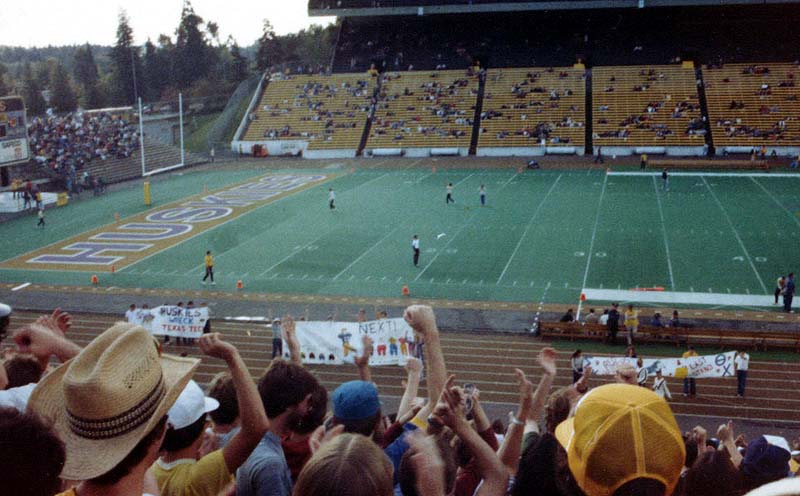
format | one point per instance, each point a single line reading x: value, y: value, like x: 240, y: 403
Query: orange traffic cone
x: 116, y: 216
x: 95, y: 280
x: 113, y: 268
x: 433, y: 170
x: 239, y: 284
x: 583, y: 296
x: 405, y: 291
x: 519, y: 170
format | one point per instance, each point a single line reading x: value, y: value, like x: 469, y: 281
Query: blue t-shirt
x: 265, y: 473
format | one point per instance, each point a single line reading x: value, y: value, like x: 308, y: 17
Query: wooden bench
x: 658, y: 163
x: 679, y: 336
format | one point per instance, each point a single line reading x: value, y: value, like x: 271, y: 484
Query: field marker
x: 527, y: 227
x: 21, y: 286
x: 775, y: 199
x: 736, y: 233
x: 591, y: 244
x: 671, y: 297
x: 709, y: 174
x: 664, y: 232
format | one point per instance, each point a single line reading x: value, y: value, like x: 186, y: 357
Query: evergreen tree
x: 238, y: 70
x: 62, y: 96
x: 267, y: 53
x: 32, y: 92
x: 125, y: 65
x: 86, y: 75
x: 191, y: 48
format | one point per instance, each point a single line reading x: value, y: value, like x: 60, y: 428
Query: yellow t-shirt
x: 204, y: 477
x: 690, y: 353
x: 631, y: 318
x: 209, y: 261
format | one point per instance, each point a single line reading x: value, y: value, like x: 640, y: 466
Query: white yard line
x: 294, y: 252
x: 527, y: 227
x: 664, y: 232
x: 365, y: 253
x: 777, y: 202
x: 590, y: 253
x: 735, y: 233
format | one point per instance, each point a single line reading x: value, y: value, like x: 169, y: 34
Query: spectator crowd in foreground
x: 120, y: 417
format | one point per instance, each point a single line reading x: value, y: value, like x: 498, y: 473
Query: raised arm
x: 547, y: 360
x: 413, y: 376
x: 423, y: 321
x: 290, y: 334
x: 43, y: 342
x: 362, y: 362
x: 253, y: 419
x: 509, y: 451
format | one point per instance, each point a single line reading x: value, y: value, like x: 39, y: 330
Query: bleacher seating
x: 523, y: 106
x: 327, y: 111
x: 753, y: 105
x: 646, y: 106
x: 425, y: 109
x: 157, y: 156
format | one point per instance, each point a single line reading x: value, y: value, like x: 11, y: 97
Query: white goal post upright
x: 145, y: 172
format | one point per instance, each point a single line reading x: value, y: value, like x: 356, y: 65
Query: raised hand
x: 320, y: 436
x: 547, y: 360
x: 420, y: 318
x: 58, y: 322
x: 212, y: 345
x: 413, y: 365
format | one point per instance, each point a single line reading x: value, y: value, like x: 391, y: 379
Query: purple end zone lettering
x: 217, y: 200
x: 191, y: 214
x: 89, y: 253
x: 159, y: 232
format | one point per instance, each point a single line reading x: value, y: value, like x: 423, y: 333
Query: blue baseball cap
x: 355, y: 400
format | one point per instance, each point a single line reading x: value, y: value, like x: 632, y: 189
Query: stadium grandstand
x: 495, y: 247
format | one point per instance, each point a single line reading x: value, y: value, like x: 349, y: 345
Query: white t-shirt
x: 130, y: 316
x: 603, y: 319
x: 741, y: 361
x: 415, y: 244
x: 331, y: 195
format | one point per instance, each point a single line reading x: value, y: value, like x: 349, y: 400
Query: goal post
x: 142, y: 138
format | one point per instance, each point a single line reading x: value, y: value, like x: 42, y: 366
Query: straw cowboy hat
x: 109, y: 397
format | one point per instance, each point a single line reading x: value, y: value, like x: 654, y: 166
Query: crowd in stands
x: 121, y: 417
x: 68, y: 143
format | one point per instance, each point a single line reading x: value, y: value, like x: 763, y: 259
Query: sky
x: 31, y: 23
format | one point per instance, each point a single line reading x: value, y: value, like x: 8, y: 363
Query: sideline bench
x: 678, y: 336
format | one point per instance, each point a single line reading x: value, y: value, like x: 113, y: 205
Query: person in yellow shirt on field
x: 209, y: 261
x: 689, y: 386
x: 631, y: 323
x: 643, y: 161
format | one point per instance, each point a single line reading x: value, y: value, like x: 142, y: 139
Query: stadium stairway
x: 488, y: 361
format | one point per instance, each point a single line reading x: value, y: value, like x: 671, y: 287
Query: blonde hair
x: 348, y: 465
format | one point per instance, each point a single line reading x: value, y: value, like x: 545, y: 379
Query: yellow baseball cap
x: 620, y: 433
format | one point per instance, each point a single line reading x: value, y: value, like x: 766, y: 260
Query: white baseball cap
x: 190, y: 406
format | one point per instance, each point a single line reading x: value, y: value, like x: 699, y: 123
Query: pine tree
x: 86, y: 75
x: 239, y: 64
x: 32, y: 92
x: 4, y: 88
x: 125, y: 65
x: 265, y: 55
x: 191, y: 48
x: 62, y: 96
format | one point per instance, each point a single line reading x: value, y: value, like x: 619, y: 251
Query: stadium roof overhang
x: 529, y: 6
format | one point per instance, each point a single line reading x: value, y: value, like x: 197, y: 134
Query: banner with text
x: 171, y: 320
x: 336, y: 343
x: 719, y: 365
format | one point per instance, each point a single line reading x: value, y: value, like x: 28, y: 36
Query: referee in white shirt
x: 415, y: 246
x: 331, y: 198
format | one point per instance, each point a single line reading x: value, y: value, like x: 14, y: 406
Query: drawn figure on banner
x: 393, y: 346
x: 346, y: 346
x: 381, y: 349
x: 403, y: 345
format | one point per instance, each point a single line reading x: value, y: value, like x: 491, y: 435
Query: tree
x: 62, y: 96
x: 125, y: 65
x: 239, y: 64
x: 88, y: 78
x: 4, y: 88
x: 32, y: 92
x: 191, y: 48
x: 267, y: 48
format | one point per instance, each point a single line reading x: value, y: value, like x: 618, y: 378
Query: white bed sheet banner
x: 704, y: 366
x: 336, y: 343
x: 171, y: 320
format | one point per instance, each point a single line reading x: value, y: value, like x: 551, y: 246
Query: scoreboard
x: 13, y: 131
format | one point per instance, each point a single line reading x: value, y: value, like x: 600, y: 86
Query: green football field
x: 543, y: 236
